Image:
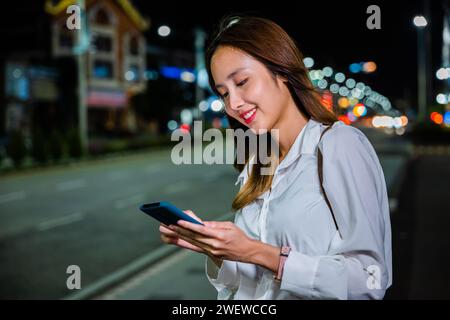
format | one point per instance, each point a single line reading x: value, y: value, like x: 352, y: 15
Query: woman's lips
x: 249, y: 116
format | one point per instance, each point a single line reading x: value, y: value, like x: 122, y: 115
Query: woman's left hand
x: 223, y: 240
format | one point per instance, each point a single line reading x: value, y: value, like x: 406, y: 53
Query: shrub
x: 39, y: 149
x: 16, y: 148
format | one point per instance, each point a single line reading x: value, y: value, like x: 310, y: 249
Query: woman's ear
x: 281, y: 79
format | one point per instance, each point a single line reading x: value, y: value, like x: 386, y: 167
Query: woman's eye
x: 242, y: 83
x: 225, y: 95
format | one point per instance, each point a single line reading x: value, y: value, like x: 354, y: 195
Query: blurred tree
x: 162, y: 99
x: 74, y: 144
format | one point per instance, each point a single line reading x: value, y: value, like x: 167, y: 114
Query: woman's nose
x: 235, y: 101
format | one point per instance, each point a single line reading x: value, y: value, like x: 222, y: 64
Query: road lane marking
x: 12, y: 196
x: 153, y: 168
x: 114, y: 176
x: 62, y: 221
x: 71, y: 185
x: 177, y: 187
x: 129, y: 201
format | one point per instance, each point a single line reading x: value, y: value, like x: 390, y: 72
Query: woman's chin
x: 257, y: 127
x: 258, y: 130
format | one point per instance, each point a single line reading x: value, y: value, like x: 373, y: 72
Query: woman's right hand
x: 170, y: 237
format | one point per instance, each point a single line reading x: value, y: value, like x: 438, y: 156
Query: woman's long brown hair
x: 268, y: 43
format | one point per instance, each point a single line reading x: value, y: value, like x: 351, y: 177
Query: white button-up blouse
x: 352, y: 263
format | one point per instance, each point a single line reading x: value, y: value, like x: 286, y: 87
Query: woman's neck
x: 289, y: 127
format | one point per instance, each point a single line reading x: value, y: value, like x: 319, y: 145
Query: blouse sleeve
x: 224, y: 279
x: 359, y: 263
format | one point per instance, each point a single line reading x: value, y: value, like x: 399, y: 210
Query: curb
x: 122, y: 274
x: 438, y: 150
x: 70, y: 164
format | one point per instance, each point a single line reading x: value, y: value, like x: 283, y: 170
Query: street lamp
x: 164, y: 31
x: 420, y: 22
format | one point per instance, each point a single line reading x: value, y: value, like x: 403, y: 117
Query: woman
x: 295, y: 235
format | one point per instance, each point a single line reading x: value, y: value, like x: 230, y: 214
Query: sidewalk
x: 421, y: 245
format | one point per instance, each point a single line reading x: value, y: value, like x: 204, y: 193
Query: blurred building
x: 27, y: 87
x: 31, y: 93
x: 115, y: 58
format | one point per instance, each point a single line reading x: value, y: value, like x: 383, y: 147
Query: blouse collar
x: 305, y: 143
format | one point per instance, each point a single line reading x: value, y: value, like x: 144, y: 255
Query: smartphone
x: 166, y: 213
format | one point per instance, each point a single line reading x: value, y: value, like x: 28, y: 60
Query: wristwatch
x: 284, y: 253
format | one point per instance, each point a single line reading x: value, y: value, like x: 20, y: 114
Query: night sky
x: 332, y: 32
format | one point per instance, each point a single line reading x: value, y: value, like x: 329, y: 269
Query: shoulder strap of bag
x: 320, y: 167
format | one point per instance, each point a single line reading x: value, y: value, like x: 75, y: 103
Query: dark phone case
x: 166, y: 213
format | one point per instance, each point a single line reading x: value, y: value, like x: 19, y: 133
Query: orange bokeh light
x: 438, y: 119
x: 433, y: 114
x: 344, y: 119
x: 370, y: 66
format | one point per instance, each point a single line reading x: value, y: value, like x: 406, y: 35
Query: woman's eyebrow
x: 230, y: 75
